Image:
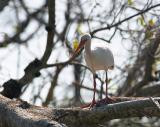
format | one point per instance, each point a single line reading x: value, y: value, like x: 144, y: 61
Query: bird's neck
x: 88, y: 47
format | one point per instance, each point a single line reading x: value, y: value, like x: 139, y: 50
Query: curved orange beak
x: 81, y: 45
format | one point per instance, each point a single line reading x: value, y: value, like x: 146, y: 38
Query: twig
x: 120, y: 22
x: 155, y: 102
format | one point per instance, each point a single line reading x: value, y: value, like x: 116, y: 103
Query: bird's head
x: 83, y: 40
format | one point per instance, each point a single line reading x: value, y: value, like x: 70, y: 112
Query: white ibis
x: 98, y: 57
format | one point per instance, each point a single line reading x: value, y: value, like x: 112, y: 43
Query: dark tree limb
x: 51, y: 29
x: 3, y: 4
x: 32, y: 70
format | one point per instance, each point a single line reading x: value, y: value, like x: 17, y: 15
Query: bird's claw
x: 105, y: 101
x: 89, y: 106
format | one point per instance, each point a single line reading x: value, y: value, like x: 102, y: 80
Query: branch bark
x: 22, y: 114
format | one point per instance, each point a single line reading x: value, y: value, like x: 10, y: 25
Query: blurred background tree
x: 129, y: 27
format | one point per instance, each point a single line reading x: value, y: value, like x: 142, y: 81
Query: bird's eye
x: 85, y: 39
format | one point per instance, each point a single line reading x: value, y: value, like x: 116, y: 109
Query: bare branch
x: 51, y: 29
x: 126, y: 19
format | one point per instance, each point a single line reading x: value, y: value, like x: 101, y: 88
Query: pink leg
x: 107, y: 100
x: 106, y: 86
x: 90, y: 105
x: 94, y: 92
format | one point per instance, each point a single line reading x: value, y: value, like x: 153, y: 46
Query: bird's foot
x: 90, y: 105
x: 105, y: 101
x: 99, y: 103
x: 85, y: 106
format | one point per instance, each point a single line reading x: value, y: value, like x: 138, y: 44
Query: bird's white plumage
x: 101, y: 58
x: 98, y: 56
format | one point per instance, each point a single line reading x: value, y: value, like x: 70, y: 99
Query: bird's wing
x: 102, y: 56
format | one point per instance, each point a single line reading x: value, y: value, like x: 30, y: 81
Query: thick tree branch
x: 27, y: 115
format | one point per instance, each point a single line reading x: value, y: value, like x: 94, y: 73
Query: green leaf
x: 75, y: 44
x: 151, y: 22
x: 130, y: 2
x: 141, y: 21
